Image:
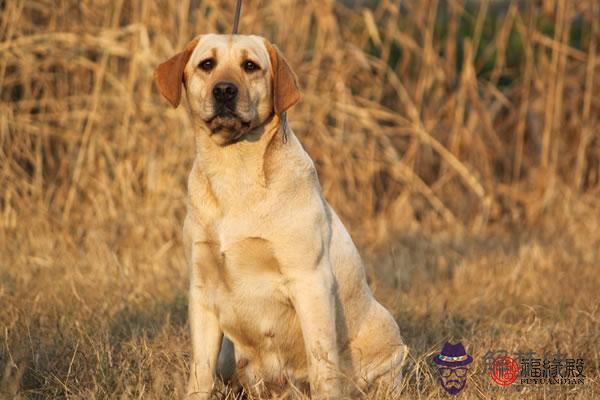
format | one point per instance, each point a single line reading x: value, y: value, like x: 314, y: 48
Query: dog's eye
x: 250, y: 66
x: 207, y: 64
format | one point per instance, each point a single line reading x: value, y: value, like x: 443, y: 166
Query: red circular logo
x: 504, y: 371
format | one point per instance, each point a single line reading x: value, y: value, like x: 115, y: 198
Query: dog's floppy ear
x: 169, y: 74
x: 285, y: 83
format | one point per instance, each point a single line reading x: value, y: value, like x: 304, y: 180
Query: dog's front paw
x: 197, y: 392
x: 191, y: 395
x: 200, y: 385
x: 327, y: 392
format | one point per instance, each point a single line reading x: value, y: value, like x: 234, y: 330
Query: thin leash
x: 234, y: 31
x: 236, y: 19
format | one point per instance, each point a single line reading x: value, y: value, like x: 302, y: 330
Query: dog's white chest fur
x: 255, y: 311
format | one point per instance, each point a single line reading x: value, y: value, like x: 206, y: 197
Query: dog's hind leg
x: 389, y: 373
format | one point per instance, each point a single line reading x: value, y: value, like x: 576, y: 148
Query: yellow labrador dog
x: 278, y: 295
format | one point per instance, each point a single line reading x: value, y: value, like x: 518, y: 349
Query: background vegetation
x: 458, y: 140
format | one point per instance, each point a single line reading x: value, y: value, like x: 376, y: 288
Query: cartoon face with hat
x: 452, y: 365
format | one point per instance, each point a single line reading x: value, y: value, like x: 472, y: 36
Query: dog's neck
x: 247, y: 157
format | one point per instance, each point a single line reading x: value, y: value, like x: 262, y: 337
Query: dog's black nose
x: 224, y: 91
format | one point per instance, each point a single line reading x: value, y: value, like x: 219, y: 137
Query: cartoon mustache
x: 453, y: 382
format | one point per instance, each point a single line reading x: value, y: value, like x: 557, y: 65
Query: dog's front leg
x: 206, y: 343
x: 313, y: 296
x: 206, y: 334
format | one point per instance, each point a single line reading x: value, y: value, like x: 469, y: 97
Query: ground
x: 104, y: 315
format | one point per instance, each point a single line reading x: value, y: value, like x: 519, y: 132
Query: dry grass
x: 462, y: 150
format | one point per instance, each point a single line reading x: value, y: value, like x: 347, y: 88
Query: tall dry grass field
x: 459, y: 141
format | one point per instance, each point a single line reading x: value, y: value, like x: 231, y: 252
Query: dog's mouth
x: 227, y: 120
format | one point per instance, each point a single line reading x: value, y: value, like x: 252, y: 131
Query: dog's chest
x: 247, y: 287
x: 254, y: 309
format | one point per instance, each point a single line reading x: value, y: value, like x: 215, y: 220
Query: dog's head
x: 234, y: 83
